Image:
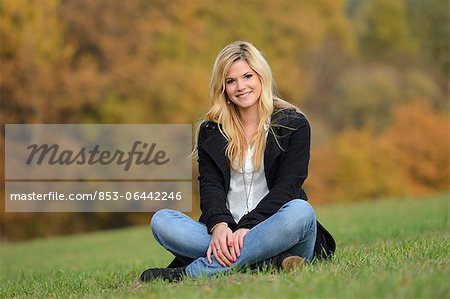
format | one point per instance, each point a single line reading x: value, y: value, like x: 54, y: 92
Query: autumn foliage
x: 411, y: 157
x: 371, y: 76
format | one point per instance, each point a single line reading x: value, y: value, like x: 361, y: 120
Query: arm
x: 212, y: 186
x: 292, y: 172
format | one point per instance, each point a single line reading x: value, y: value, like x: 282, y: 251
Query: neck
x: 249, y: 120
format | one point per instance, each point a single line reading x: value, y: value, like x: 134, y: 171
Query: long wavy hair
x: 227, y: 115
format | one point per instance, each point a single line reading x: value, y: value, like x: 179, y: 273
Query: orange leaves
x: 420, y: 139
x: 410, y: 157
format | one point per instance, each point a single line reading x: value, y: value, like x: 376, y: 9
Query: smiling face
x: 243, y: 86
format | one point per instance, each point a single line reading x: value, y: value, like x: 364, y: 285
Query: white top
x: 247, y: 188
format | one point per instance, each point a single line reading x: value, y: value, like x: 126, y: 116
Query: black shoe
x: 288, y: 262
x: 170, y: 274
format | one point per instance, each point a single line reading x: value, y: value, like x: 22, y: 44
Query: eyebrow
x: 246, y: 73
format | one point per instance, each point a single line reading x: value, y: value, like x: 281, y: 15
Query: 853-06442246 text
x: 98, y: 168
x: 99, y: 195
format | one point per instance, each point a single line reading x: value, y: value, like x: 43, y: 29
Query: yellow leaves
x: 410, y: 157
x: 421, y: 141
x: 383, y: 29
x: 34, y: 56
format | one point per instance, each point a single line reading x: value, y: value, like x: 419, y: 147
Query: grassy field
x: 391, y: 248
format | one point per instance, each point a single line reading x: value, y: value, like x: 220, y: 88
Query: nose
x: 240, y: 85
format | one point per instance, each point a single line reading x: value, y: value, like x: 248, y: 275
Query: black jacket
x: 285, y: 168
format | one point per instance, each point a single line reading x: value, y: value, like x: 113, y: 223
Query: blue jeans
x: 292, y: 229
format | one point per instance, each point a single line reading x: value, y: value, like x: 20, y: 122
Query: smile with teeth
x: 243, y: 95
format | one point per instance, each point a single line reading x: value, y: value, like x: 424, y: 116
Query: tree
x: 33, y: 58
x: 383, y: 31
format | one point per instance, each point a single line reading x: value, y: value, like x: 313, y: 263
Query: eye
x: 248, y: 76
x: 229, y: 81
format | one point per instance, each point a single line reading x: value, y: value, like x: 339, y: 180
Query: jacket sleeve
x: 292, y: 172
x: 212, y: 187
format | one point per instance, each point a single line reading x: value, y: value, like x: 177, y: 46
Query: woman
x: 253, y: 154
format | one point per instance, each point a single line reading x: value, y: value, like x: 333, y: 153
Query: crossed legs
x: 292, y: 229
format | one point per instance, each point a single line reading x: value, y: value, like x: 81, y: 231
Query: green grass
x: 391, y: 248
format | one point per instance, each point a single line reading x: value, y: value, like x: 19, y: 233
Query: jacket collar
x: 215, y: 146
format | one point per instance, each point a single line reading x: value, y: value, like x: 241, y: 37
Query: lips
x: 243, y: 95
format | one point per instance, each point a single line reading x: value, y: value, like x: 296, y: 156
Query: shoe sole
x: 292, y: 263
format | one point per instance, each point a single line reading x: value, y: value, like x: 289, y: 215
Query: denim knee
x: 158, y: 223
x: 299, y: 213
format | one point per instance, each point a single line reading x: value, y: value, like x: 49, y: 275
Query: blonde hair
x: 227, y: 115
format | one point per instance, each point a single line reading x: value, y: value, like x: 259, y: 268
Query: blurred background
x: 371, y: 75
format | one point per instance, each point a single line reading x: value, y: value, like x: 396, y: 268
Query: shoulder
x: 207, y: 129
x: 209, y: 125
x: 290, y: 118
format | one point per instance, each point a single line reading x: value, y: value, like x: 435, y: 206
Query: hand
x: 221, y: 242
x: 238, y: 240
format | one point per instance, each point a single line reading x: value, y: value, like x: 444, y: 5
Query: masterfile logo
x: 51, y: 155
x: 97, y: 168
x: 98, y: 151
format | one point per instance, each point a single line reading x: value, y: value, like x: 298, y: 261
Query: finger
x: 218, y: 255
x: 236, y: 245
x: 241, y: 240
x: 226, y: 256
x: 230, y: 239
x: 232, y: 253
x: 208, y: 254
x: 230, y: 243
